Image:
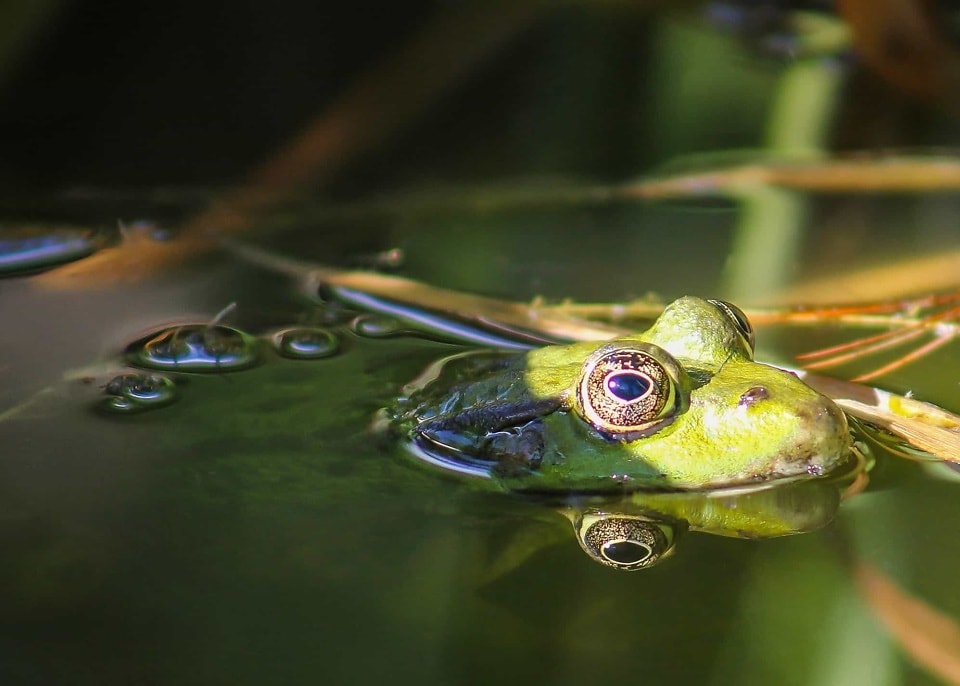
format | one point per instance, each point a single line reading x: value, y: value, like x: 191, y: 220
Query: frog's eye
x: 629, y: 392
x: 736, y: 315
x: 625, y: 542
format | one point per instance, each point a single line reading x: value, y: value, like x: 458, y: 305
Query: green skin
x: 727, y: 420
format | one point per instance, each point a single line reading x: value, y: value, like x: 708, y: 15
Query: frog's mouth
x: 510, y: 450
x: 501, y: 440
x: 470, y: 413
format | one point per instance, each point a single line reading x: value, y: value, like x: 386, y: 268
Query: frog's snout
x: 790, y: 429
x: 825, y: 416
x: 825, y: 438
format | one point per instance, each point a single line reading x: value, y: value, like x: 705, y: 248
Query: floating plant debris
x: 34, y: 248
x: 306, y: 343
x: 196, y: 348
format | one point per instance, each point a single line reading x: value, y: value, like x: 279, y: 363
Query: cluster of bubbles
x: 187, y: 348
x: 219, y: 349
x: 204, y: 348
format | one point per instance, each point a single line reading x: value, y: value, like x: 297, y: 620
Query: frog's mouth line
x: 447, y: 459
x: 428, y: 452
x: 440, y: 456
x: 852, y: 468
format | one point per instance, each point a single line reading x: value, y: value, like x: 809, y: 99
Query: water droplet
x: 129, y: 393
x: 306, y: 343
x: 27, y: 249
x: 377, y: 326
x: 196, y: 348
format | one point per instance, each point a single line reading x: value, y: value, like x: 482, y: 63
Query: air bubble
x: 211, y: 348
x: 128, y: 393
x: 306, y: 343
x: 377, y: 326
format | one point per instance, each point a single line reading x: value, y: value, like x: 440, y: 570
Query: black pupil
x: 626, y: 552
x: 628, y: 386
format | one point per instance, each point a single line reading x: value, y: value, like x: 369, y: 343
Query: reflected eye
x: 630, y: 392
x: 623, y: 542
x: 626, y: 553
x: 737, y: 316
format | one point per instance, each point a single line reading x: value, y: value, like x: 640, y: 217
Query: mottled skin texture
x: 732, y: 420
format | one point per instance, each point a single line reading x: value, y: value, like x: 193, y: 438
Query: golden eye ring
x: 629, y: 391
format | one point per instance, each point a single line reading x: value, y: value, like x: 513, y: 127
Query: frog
x: 682, y: 405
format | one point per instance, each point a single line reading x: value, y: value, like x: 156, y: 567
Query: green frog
x: 680, y: 406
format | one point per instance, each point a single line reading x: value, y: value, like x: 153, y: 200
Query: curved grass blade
x: 922, y: 426
x: 930, y: 637
x: 913, y: 319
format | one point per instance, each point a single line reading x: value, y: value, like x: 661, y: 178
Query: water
x: 256, y: 531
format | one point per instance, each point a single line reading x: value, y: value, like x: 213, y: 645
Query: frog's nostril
x: 752, y: 395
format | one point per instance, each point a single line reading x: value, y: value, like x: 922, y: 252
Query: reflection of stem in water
x: 930, y: 637
x: 768, y: 236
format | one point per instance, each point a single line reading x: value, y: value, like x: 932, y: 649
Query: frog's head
x: 681, y: 405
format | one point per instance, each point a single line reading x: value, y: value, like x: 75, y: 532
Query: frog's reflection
x: 640, y: 529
